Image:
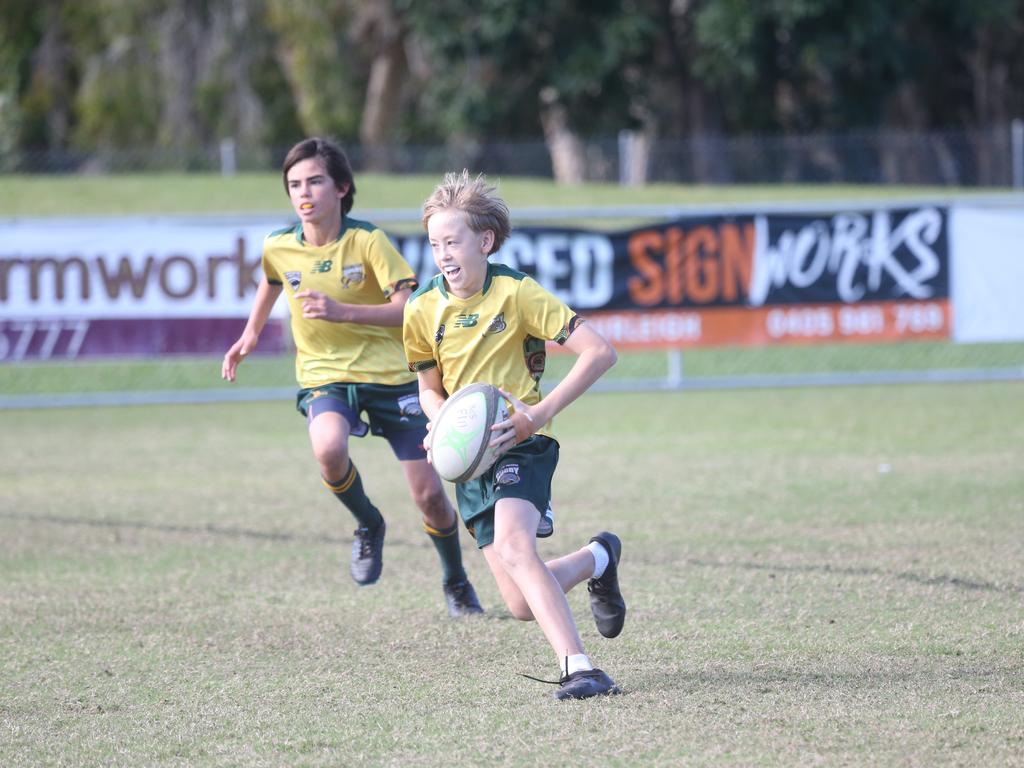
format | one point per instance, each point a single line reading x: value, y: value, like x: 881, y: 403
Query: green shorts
x: 393, y: 411
x: 524, y: 472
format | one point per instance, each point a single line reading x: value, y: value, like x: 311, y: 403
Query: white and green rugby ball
x: 461, y: 432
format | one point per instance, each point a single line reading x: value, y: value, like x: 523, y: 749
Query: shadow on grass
x: 932, y: 581
x: 955, y: 582
x: 198, y: 530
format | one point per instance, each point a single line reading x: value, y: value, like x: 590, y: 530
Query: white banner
x: 131, y: 267
x: 987, y: 273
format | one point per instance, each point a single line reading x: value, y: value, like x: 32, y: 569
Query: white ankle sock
x: 600, y: 558
x: 576, y: 662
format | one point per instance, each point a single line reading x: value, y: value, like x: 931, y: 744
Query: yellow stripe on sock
x: 441, y: 534
x: 345, y: 483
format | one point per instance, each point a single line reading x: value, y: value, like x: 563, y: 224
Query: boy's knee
x: 515, y: 551
x: 432, y: 503
x: 333, y: 464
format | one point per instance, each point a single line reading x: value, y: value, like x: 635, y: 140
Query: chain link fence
x: 992, y: 157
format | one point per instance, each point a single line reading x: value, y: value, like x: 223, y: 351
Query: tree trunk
x: 382, y: 99
x: 179, y: 33
x: 50, y: 79
x: 567, y: 152
x: 388, y: 72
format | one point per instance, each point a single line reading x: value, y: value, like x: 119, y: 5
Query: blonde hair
x: 477, y: 199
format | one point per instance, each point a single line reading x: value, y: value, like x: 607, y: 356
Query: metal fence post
x: 674, y: 365
x: 228, y: 162
x: 1017, y: 152
x: 625, y: 156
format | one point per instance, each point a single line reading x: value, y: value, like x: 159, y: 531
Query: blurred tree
x: 512, y: 67
x: 320, y: 70
x: 384, y: 33
x: 181, y: 74
x: 20, y: 33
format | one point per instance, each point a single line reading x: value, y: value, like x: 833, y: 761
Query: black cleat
x: 584, y: 684
x: 606, y: 601
x: 367, y: 555
x: 462, y: 600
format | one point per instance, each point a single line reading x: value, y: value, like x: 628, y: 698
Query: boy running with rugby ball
x: 483, y: 322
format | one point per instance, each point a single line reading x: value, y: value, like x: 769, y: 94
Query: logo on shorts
x: 507, y: 475
x: 497, y: 324
x: 352, y: 275
x: 409, y: 405
x: 321, y: 266
x: 293, y: 278
x: 440, y: 334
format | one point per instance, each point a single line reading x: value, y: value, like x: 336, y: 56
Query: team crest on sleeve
x: 352, y: 274
x: 409, y: 405
x: 497, y: 324
x: 293, y: 278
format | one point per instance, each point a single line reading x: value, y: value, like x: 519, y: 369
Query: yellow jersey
x: 360, y: 267
x: 496, y: 336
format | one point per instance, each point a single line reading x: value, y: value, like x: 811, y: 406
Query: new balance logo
x: 467, y: 321
x: 319, y: 267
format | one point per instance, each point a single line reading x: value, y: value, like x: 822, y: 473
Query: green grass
x: 279, y: 371
x: 249, y: 193
x: 815, y: 576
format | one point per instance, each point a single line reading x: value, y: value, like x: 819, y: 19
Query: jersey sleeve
x: 542, y: 314
x: 392, y: 271
x: 273, y: 275
x: 419, y: 351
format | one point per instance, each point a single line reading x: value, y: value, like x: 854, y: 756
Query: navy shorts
x: 392, y: 412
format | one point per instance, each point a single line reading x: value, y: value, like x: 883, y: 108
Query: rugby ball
x: 461, y: 431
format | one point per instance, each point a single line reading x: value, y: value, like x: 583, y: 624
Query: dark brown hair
x: 335, y: 163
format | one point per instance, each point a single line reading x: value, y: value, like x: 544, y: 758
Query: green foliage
x: 321, y: 66
x: 184, y: 74
x: 19, y: 35
x: 118, y: 101
x: 813, y: 65
x: 584, y: 54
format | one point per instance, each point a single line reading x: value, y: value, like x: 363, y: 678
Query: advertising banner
x: 875, y: 275
x: 73, y: 288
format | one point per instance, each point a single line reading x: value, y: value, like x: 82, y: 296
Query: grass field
x: 273, y: 371
x: 815, y: 576
x: 249, y: 193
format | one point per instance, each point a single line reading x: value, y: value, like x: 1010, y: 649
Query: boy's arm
x: 432, y: 395
x: 319, y: 306
x: 393, y: 274
x: 594, y: 356
x: 263, y: 303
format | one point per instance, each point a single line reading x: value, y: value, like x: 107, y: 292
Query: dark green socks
x: 349, y: 491
x: 446, y: 542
